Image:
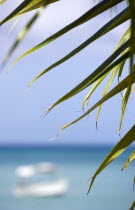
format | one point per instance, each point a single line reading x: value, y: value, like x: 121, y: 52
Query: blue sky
x: 21, y: 111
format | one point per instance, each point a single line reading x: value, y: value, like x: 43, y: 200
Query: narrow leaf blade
x: 120, y: 147
x: 129, y: 80
x: 132, y: 156
x: 98, y: 9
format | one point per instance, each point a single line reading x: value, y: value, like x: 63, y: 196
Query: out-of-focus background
x: 113, y: 188
x: 79, y: 150
x: 21, y: 111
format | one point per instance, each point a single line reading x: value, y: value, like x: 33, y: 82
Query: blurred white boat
x: 40, y: 188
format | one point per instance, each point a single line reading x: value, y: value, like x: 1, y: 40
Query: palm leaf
x: 125, y: 37
x: 115, y: 71
x: 115, y: 62
x: 120, y: 71
x: 119, y: 19
x: 22, y: 34
x: 95, y: 75
x: 126, y: 95
x: 129, y: 80
x: 124, y: 104
x: 1, y: 2
x: 132, y: 40
x: 132, y: 156
x: 16, y: 11
x: 113, y: 74
x: 36, y: 4
x: 27, y: 4
x: 95, y: 85
x: 120, y: 147
x: 98, y: 9
x: 133, y: 206
x: 134, y: 183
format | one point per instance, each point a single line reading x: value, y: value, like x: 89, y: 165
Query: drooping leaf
x: 28, y: 5
x: 37, y: 4
x: 1, y: 2
x: 120, y: 147
x: 119, y: 19
x: 129, y: 80
x: 125, y: 37
x: 124, y: 104
x: 96, y: 10
x: 16, y: 11
x: 120, y: 71
x: 22, y: 34
x: 95, y: 85
x: 126, y: 95
x: 113, y: 74
x: 95, y: 75
x: 132, y: 40
x: 133, y: 206
x: 132, y: 156
x: 134, y: 183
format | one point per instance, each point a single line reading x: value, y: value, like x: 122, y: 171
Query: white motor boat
x: 41, y: 188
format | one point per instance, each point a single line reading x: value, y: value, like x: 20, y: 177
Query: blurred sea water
x: 112, y: 190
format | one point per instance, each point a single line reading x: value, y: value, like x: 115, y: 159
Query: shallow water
x: 112, y: 189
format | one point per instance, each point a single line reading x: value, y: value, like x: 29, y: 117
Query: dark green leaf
x: 129, y: 80
x: 28, y: 5
x: 120, y: 147
x: 95, y: 75
x: 133, y: 206
x: 16, y: 11
x: 96, y: 10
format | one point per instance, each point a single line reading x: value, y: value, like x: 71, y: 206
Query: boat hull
x: 42, y: 189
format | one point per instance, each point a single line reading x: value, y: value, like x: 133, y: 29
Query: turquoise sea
x: 112, y: 190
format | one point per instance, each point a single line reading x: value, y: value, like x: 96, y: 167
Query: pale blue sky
x: 20, y: 113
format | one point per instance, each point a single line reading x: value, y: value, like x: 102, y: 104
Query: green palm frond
x: 120, y: 67
x: 132, y: 40
x: 113, y: 74
x: 134, y: 183
x: 26, y: 6
x: 133, y: 206
x: 132, y: 156
x: 116, y: 21
x: 128, y: 81
x: 22, y: 34
x: 1, y: 2
x: 120, y: 71
x: 16, y: 11
x: 125, y: 37
x: 98, y: 73
x: 124, y: 104
x: 94, y: 87
x: 35, y: 4
x: 113, y: 65
x: 115, y: 152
